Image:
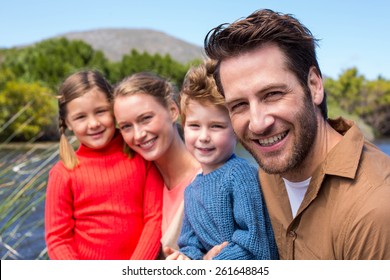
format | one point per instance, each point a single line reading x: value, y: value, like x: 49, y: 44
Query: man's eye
x: 275, y: 95
x: 237, y: 106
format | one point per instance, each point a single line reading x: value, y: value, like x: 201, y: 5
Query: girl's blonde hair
x: 74, y: 86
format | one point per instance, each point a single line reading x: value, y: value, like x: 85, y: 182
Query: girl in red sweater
x: 101, y: 203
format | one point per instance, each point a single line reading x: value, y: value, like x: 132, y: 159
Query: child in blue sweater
x: 224, y: 203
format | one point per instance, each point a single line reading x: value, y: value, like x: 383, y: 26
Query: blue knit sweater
x: 227, y: 205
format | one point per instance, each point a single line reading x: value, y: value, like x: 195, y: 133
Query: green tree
x: 361, y: 98
x: 378, y: 93
x: 50, y: 61
x: 163, y: 65
x: 26, y: 109
x: 346, y: 91
x: 6, y: 75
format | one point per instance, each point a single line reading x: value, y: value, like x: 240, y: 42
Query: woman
x: 146, y: 110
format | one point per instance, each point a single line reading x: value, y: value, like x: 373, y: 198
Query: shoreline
x: 27, y: 145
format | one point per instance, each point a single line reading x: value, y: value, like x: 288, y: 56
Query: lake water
x: 25, y: 238
x: 384, y: 145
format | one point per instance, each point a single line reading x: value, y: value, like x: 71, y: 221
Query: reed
x: 24, y: 171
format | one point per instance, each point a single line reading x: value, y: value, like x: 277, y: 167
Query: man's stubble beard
x: 302, y: 145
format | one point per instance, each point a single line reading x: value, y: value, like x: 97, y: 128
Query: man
x: 327, y: 189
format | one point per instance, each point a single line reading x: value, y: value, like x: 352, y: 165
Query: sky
x: 352, y: 33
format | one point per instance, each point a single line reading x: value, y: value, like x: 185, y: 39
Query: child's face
x: 91, y: 119
x: 209, y: 135
x: 145, y: 124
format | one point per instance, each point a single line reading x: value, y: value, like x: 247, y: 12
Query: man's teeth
x: 272, y: 140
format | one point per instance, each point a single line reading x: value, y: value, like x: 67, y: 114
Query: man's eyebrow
x: 267, y: 88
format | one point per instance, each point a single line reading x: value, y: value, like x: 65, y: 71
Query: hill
x: 117, y: 42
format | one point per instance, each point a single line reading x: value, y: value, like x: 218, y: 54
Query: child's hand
x: 173, y: 254
x: 214, y: 251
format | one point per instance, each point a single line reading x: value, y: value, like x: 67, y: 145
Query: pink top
x: 172, y: 199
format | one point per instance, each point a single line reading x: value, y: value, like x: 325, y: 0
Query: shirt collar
x: 343, y: 159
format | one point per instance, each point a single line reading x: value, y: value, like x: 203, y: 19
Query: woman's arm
x: 149, y: 243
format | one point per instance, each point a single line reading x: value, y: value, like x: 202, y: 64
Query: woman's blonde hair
x: 148, y: 83
x: 74, y: 86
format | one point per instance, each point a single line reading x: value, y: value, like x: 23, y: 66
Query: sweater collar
x: 219, y: 170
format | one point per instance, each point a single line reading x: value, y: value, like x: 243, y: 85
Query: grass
x: 23, y: 177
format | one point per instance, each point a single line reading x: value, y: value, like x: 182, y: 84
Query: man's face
x: 273, y: 117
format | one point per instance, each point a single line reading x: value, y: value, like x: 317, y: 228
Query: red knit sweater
x: 108, y: 207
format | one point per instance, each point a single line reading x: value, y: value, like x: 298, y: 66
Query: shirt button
x: 292, y: 234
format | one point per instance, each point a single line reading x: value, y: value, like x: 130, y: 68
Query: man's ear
x: 315, y: 85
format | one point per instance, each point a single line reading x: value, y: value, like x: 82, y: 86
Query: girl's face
x: 91, y: 120
x: 209, y: 135
x: 146, y: 125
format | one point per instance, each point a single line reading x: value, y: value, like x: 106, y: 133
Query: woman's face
x: 146, y: 125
